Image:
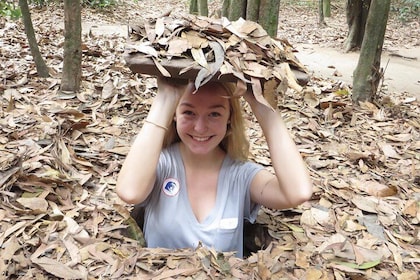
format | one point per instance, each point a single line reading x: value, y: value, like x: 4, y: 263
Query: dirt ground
x: 401, y: 67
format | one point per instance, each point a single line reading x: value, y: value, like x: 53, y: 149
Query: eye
x: 215, y: 114
x: 188, y: 113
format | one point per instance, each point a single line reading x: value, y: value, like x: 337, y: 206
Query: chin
x: 200, y: 151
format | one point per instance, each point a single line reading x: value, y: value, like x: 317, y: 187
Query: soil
x: 321, y: 48
x: 401, y: 67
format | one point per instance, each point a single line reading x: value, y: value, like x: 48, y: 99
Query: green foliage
x: 8, y: 9
x: 407, y: 10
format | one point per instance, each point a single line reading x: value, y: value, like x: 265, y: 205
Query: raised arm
x: 291, y: 184
x: 138, y: 173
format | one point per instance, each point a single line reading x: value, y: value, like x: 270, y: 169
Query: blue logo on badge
x: 171, y: 187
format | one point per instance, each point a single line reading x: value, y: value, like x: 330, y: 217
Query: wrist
x: 162, y: 110
x: 164, y: 127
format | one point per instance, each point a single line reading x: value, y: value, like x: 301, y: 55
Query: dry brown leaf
x: 352, y: 226
x: 313, y: 274
x: 412, y: 208
x: 408, y: 275
x: 195, y: 39
x: 311, y: 99
x: 388, y: 150
x: 143, y: 48
x: 176, y: 273
x: 160, y: 27
x: 58, y: 269
x: 366, y: 203
x: 178, y: 46
x: 11, y: 246
x: 199, y: 57
x: 108, y: 90
x: 404, y: 137
x: 396, y: 252
x: 302, y: 259
x: 73, y: 250
x: 37, y: 204
x: 162, y: 69
x: 263, y: 270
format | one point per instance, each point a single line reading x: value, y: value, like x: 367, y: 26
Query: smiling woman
x: 188, y: 167
x: 235, y: 142
x: 202, y: 120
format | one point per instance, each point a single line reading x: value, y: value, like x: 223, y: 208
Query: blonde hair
x: 235, y: 142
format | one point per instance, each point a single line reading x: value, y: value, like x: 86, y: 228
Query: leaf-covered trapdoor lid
x: 202, y: 49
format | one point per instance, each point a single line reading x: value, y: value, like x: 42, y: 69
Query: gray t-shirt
x: 170, y: 221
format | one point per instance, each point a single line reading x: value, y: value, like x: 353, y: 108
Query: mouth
x: 200, y: 139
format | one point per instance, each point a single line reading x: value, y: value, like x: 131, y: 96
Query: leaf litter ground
x: 60, y: 156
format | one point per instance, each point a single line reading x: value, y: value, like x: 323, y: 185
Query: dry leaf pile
x: 60, y: 156
x: 201, y: 49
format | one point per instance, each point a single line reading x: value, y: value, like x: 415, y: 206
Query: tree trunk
x: 265, y: 12
x: 70, y: 81
x: 237, y: 9
x: 193, y: 7
x: 234, y: 9
x: 321, y: 20
x: 225, y: 8
x: 40, y: 65
x: 269, y: 16
x: 199, y: 7
x: 356, y: 13
x: 253, y: 10
x: 327, y: 8
x: 367, y: 75
x: 203, y: 7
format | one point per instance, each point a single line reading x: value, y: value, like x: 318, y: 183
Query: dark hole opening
x: 256, y: 236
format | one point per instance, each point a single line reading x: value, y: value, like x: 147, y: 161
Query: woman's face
x: 202, y: 118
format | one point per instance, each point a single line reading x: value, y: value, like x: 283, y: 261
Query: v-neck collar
x: 212, y: 216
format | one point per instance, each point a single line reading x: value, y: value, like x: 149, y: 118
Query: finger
x: 190, y: 87
x: 241, y: 88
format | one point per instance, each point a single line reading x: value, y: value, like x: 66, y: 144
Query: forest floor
x: 60, y: 157
x: 321, y: 48
x: 401, y: 66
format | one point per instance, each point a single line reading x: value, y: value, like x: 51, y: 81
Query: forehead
x: 209, y: 94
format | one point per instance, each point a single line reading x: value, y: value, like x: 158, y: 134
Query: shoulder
x: 244, y: 169
x: 171, y: 149
x: 170, y: 153
x: 247, y: 164
x: 169, y: 163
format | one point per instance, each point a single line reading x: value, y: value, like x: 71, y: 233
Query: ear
x: 174, y: 118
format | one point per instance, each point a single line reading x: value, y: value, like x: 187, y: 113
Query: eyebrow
x: 211, y: 107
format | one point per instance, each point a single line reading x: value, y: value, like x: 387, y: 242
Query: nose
x: 200, y: 124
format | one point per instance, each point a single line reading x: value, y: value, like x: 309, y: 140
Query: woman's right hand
x: 172, y: 86
x: 135, y: 184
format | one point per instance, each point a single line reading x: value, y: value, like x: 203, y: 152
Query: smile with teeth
x: 200, y: 139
